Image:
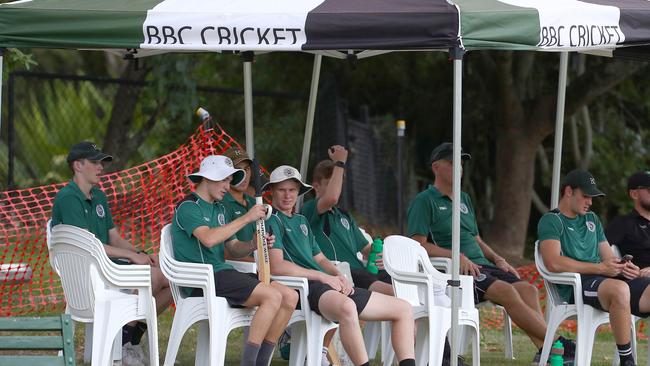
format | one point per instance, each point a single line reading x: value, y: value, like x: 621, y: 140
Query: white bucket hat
x: 284, y: 172
x: 216, y: 168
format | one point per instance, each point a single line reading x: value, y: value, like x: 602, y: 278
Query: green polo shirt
x: 337, y: 234
x: 72, y: 207
x: 579, y: 238
x: 430, y: 215
x: 237, y: 210
x: 295, y: 238
x: 191, y: 213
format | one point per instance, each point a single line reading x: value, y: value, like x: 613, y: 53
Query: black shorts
x: 317, y: 289
x: 235, y: 286
x: 590, y: 284
x: 489, y: 275
x: 362, y: 278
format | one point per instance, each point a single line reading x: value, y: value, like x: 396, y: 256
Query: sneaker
x: 132, y: 355
x: 628, y: 362
x: 569, y: 350
x: 284, y: 345
x: 461, y: 361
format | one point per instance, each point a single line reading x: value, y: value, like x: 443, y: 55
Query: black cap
x: 87, y: 150
x: 584, y: 180
x: 639, y: 180
x: 446, y: 151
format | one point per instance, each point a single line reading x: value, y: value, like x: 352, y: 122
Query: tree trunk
x: 515, y: 169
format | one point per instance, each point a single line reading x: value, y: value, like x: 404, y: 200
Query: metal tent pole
x: 401, y: 127
x: 309, y: 123
x: 559, y: 129
x: 2, y: 50
x: 247, y: 58
x: 457, y: 56
x: 311, y: 110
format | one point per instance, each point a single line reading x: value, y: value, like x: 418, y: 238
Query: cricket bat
x: 263, y: 265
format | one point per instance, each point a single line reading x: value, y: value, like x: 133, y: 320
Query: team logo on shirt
x: 345, y: 223
x: 591, y: 226
x: 304, y: 229
x: 221, y: 219
x: 463, y: 208
x: 100, y: 211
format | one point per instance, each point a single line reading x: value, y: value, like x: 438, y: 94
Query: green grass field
x: 491, y: 347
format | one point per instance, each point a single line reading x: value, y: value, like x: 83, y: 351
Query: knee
x: 158, y: 279
x: 504, y: 294
x: 403, y: 310
x: 526, y: 289
x: 348, y: 312
x: 618, y: 293
x: 289, y: 298
x: 272, y: 298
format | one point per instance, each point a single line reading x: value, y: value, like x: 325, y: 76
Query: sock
x: 367, y: 363
x: 249, y: 355
x: 324, y: 361
x: 137, y: 332
x: 446, y: 355
x: 265, y: 353
x: 127, y: 330
x: 625, y: 352
x: 407, y: 362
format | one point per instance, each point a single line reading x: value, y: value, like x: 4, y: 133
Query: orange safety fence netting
x: 141, y: 199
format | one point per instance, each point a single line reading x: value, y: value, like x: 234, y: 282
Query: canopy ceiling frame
x: 326, y: 27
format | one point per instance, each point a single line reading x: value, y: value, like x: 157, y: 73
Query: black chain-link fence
x: 47, y: 113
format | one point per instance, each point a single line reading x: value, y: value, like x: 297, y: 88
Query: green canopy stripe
x: 492, y: 24
x: 73, y: 23
x: 534, y: 24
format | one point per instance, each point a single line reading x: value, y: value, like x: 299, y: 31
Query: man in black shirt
x: 631, y: 232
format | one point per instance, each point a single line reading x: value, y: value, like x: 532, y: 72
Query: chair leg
x: 422, y: 342
x: 585, y: 340
x: 152, y: 334
x: 202, y: 357
x: 88, y: 342
x: 507, y: 334
x: 387, y: 350
x: 298, y: 344
x: 371, y: 338
x: 554, y: 320
x: 476, y: 346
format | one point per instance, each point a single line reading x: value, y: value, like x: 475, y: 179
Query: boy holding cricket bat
x: 202, y: 232
x: 295, y: 253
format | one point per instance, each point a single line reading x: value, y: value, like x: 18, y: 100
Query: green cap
x: 584, y: 180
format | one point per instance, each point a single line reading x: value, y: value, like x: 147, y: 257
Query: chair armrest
x: 562, y: 278
x: 442, y: 264
x: 241, y: 266
x: 467, y: 292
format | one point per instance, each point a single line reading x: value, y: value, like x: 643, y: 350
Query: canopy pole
x: 2, y: 51
x: 309, y: 123
x: 457, y: 55
x: 311, y: 111
x: 247, y: 58
x: 559, y: 129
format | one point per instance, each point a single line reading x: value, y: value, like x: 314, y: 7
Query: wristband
x: 340, y: 164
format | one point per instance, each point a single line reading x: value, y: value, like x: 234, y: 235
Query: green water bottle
x: 557, y: 354
x: 377, y: 247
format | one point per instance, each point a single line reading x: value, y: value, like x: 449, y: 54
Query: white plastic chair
x: 92, y: 283
x: 444, y: 264
x: 215, y: 316
x: 375, y: 334
x: 413, y: 280
x: 558, y: 310
x: 616, y: 360
x: 307, y: 328
x: 88, y: 336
